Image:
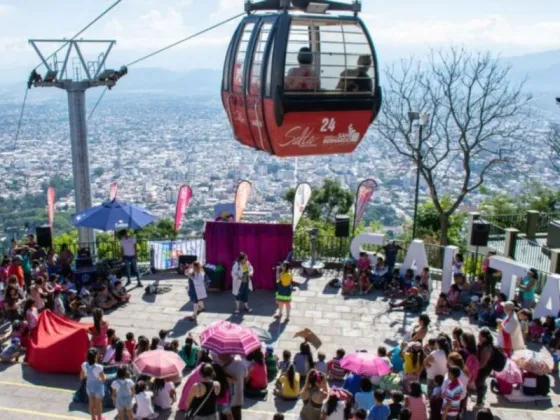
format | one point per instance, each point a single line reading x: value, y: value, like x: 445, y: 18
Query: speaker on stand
x: 44, y: 236
x: 480, y: 234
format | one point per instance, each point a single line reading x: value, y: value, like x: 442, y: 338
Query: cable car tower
x: 75, y: 78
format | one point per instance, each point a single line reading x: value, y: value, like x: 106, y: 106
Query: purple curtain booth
x: 264, y: 244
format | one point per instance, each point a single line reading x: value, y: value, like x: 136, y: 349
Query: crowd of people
x: 428, y: 377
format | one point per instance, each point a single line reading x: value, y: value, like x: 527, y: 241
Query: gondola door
x: 260, y: 64
x: 237, y: 99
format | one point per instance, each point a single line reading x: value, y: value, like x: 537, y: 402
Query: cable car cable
x: 186, y: 39
x: 19, y: 126
x: 167, y: 48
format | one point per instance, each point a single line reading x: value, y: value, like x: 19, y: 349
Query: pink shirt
x: 364, y: 264
x: 257, y: 376
x: 417, y: 407
x: 99, y: 339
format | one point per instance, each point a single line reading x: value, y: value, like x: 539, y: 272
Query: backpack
x: 499, y: 386
x: 543, y: 385
x: 391, y: 382
x: 529, y: 386
x: 499, y: 359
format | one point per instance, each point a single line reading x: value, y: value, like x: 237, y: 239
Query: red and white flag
x: 113, y: 191
x: 301, y: 198
x: 183, y: 200
x: 242, y: 198
x: 50, y: 206
x: 363, y: 195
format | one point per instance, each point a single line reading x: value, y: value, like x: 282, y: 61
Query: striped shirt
x: 452, y: 396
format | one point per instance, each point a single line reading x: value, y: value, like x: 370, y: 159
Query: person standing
x: 527, y: 288
x: 130, y: 253
x: 284, y: 289
x: 391, y: 251
x: 510, y: 336
x: 197, y: 289
x: 237, y: 370
x: 489, y: 274
x: 203, y: 395
x: 242, y: 285
x: 485, y: 351
x: 26, y: 256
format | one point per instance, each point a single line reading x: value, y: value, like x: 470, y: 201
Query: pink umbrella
x: 365, y: 364
x: 223, y: 337
x: 531, y: 361
x: 159, y: 364
x: 511, y: 373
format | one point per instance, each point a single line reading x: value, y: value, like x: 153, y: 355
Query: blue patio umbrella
x: 112, y: 215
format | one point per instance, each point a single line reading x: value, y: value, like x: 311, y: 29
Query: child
x: 58, y: 303
x: 123, y: 393
x: 485, y: 311
x: 284, y: 289
x: 416, y: 402
x: 499, y: 307
x: 474, y: 306
x: 414, y: 302
x: 549, y: 326
x: 144, y: 405
x: 394, y: 286
x: 12, y: 352
x: 442, y: 305
x: 454, y: 297
x: 396, y: 406
x: 365, y: 283
x: 335, y: 371
x: 321, y: 365
x: 453, y: 394
x: 120, y: 293
x: 189, y: 352
x: 286, y: 361
x: 536, y: 330
x: 163, y: 343
x: 436, y: 400
x: 130, y: 343
x: 413, y: 357
x: 457, y: 267
x: 477, y: 288
x: 99, y: 332
x: 364, y: 397
x: 425, y: 294
x: 430, y: 347
x: 397, y: 360
x: 271, y: 362
x: 173, y: 346
x: 348, y: 285
x: 379, y: 411
x: 31, y: 313
x: 364, y: 263
x: 360, y: 414
x: 438, y: 383
x: 484, y: 414
x: 406, y: 414
x: 524, y: 316
x: 278, y: 416
x: 425, y: 279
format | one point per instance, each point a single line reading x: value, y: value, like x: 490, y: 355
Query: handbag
x: 191, y: 416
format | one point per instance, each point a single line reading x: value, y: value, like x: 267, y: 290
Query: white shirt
x: 122, y: 382
x: 144, y: 404
x: 338, y: 414
x: 109, y: 353
x: 97, y: 369
x: 439, y: 364
x: 127, y: 245
x: 163, y: 397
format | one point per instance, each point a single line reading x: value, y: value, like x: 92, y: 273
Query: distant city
x: 151, y: 142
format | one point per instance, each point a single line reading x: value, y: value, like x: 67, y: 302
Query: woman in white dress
x: 510, y: 335
x: 197, y: 289
x: 242, y: 285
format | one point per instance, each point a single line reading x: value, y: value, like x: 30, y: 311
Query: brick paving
x: 354, y: 323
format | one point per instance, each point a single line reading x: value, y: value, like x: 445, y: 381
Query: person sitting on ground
x: 164, y: 394
x: 348, y: 285
x: 58, y: 303
x: 303, y: 77
x: 454, y: 297
x: 360, y: 414
x: 144, y: 405
x: 364, y: 398
x: 335, y: 371
x: 379, y: 411
x: 286, y: 361
x: 120, y: 293
x: 271, y: 361
x: 380, y: 274
x: 407, y: 281
x: 365, y: 283
x: 424, y: 293
x: 414, y: 302
x: 257, y: 379
x: 105, y: 300
x: 425, y: 278
x: 364, y: 263
x: 321, y: 365
x: 357, y: 80
x: 288, y: 385
x: 12, y: 352
x: 394, y: 286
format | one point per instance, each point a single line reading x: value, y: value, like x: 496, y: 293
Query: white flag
x: 302, y: 197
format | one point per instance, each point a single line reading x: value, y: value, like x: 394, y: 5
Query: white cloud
x: 5, y: 10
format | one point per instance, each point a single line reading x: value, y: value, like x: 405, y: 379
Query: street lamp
x: 423, y: 120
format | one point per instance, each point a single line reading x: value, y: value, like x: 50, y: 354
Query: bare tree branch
x: 477, y: 124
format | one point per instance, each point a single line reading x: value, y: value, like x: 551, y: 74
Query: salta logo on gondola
x: 300, y: 137
x: 351, y: 137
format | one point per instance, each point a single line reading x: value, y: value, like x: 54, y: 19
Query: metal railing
x: 532, y: 252
x: 544, y: 221
x: 505, y: 221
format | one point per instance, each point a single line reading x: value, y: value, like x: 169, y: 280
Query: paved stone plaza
x: 353, y: 323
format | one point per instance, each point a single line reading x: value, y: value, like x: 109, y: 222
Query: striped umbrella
x: 223, y: 337
x: 159, y: 364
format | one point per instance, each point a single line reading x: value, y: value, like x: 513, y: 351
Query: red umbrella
x: 365, y: 364
x: 223, y: 337
x: 159, y: 364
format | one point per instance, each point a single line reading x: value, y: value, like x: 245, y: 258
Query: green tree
x: 537, y: 196
x: 162, y: 229
x: 326, y: 202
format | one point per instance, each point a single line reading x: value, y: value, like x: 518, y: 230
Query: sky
x: 399, y: 28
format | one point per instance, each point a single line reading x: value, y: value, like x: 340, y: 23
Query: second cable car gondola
x: 297, y: 84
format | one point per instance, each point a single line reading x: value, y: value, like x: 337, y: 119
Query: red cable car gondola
x: 298, y: 84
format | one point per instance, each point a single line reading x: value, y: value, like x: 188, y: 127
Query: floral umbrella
x: 532, y: 362
x: 511, y: 373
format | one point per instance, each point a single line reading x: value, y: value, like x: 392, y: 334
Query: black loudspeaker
x: 185, y: 260
x: 553, y: 237
x: 44, y: 236
x: 480, y: 233
x: 342, y: 226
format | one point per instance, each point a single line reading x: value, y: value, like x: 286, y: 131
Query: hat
x: 57, y: 288
x: 509, y: 305
x: 413, y: 290
x: 18, y: 258
x: 269, y: 349
x: 475, y: 298
x: 16, y: 340
x: 534, y: 272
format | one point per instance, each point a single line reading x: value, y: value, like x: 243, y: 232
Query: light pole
x: 423, y: 120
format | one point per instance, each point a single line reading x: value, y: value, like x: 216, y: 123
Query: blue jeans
x: 128, y: 263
